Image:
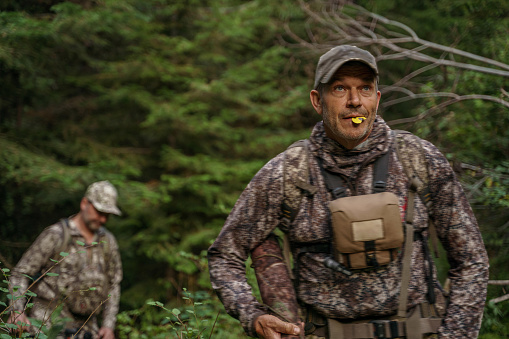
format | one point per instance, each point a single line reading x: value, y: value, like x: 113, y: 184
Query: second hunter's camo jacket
x: 366, y: 293
x: 86, y: 277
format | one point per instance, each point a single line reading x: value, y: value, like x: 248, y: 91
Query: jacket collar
x: 335, y: 157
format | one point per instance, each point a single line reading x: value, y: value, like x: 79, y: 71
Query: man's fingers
x: 288, y: 328
x: 270, y: 327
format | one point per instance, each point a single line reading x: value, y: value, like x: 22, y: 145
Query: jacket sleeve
x: 115, y: 276
x: 253, y: 217
x: 35, y: 260
x: 461, y: 238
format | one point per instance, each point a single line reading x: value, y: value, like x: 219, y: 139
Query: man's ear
x: 83, y: 203
x: 316, y: 101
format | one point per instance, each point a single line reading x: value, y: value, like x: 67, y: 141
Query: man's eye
x: 339, y: 88
x: 366, y: 88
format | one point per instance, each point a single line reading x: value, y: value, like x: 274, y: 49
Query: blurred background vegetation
x: 179, y: 103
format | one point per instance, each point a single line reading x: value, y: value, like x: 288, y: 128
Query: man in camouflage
x: 88, y: 279
x: 345, y: 89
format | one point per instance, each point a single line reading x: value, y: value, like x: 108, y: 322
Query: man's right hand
x: 15, y: 318
x: 270, y: 327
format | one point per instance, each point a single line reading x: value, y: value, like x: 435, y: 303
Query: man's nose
x: 103, y: 217
x: 353, y: 99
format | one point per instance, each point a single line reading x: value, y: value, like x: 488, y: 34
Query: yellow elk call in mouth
x: 358, y: 120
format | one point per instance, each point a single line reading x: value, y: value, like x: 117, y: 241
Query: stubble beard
x: 92, y: 225
x: 333, y: 124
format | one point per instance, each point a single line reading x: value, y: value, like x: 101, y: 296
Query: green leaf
x: 6, y: 270
x: 64, y: 254
x: 30, y: 294
x: 175, y: 311
x: 81, y: 243
x: 51, y: 274
x: 29, y: 277
x: 93, y: 288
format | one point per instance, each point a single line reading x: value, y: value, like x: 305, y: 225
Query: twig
x: 500, y: 299
x: 498, y: 282
x: 214, y: 325
x: 433, y: 111
x: 86, y: 321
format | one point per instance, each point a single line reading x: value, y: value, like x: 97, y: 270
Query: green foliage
x: 201, y: 316
x: 495, y: 321
x: 10, y: 294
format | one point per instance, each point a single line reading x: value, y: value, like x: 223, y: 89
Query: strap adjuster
x: 379, y: 329
x: 338, y: 192
x: 379, y: 186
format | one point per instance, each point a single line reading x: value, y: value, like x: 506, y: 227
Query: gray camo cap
x: 336, y: 57
x: 103, y: 196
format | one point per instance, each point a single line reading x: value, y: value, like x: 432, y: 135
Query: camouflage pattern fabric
x: 365, y: 294
x: 86, y: 277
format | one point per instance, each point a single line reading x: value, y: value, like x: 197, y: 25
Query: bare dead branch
x: 500, y: 299
x: 498, y: 282
x: 437, y: 109
x: 352, y: 29
x: 418, y: 96
x: 504, y: 92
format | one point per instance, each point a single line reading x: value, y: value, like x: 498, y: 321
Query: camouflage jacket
x: 366, y: 293
x: 86, y: 277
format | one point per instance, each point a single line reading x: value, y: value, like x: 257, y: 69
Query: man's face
x: 352, y: 93
x: 93, y: 218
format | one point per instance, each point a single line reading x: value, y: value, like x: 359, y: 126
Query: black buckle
x: 379, y: 329
x: 379, y: 186
x: 394, y: 329
x: 338, y: 192
x: 371, y: 259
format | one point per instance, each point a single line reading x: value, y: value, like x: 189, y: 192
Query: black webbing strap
x: 380, y: 172
x: 334, y: 182
x: 429, y: 274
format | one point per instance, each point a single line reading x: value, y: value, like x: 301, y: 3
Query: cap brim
x: 326, y: 78
x: 107, y: 209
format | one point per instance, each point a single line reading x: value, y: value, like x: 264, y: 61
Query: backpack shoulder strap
x: 66, y: 238
x: 415, y: 165
x: 411, y: 154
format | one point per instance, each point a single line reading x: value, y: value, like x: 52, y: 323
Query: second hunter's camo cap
x: 336, y: 57
x: 103, y: 195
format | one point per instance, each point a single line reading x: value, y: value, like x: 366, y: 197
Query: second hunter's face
x: 93, y: 218
x: 351, y: 93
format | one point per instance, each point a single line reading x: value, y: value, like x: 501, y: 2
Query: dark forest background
x: 179, y: 103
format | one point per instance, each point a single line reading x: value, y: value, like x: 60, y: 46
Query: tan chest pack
x: 367, y: 229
